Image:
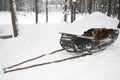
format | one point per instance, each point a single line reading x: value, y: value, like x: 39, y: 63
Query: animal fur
x: 100, y: 33
x: 88, y: 32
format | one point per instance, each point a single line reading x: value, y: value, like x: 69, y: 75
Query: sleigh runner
x: 88, y: 41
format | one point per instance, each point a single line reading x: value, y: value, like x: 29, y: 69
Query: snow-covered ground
x: 42, y: 38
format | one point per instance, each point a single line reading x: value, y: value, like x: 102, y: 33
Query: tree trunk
x: 114, y: 11
x: 119, y: 11
x: 80, y: 6
x: 13, y: 17
x: 46, y: 11
x: 109, y: 8
x: 36, y: 11
x: 86, y: 7
x: 119, y: 15
x: 65, y: 15
x: 118, y: 24
x: 71, y: 11
x: 74, y: 11
x: 89, y: 6
x: 93, y: 5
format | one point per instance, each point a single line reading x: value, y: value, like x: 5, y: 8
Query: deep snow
x: 34, y: 40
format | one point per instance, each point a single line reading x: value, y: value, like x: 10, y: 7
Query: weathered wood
x: 46, y: 63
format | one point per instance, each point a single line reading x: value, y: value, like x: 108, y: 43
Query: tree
x: 119, y: 11
x: 89, y: 6
x: 46, y: 11
x: 13, y: 17
x: 86, y: 6
x: 36, y: 11
x: 119, y: 15
x: 79, y: 6
x: 4, y: 5
x: 65, y: 16
x: 71, y: 6
x: 114, y: 10
x: 74, y: 10
x: 109, y: 8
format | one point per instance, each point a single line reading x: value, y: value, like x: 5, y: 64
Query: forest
x: 59, y: 39
x: 109, y: 7
x: 68, y: 7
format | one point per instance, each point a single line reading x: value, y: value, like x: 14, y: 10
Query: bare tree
x: 89, y: 6
x: 119, y: 11
x: 36, y: 11
x: 79, y: 6
x: 65, y: 16
x: 74, y: 10
x: 71, y: 6
x: 109, y: 8
x: 119, y: 15
x: 13, y: 17
x: 114, y: 11
x: 46, y: 11
x: 86, y: 6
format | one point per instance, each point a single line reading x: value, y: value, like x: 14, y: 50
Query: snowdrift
x: 35, y: 40
x: 94, y: 20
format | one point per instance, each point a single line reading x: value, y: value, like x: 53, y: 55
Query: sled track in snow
x: 10, y: 68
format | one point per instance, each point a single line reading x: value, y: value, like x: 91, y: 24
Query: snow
x: 42, y: 38
x: 95, y: 20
